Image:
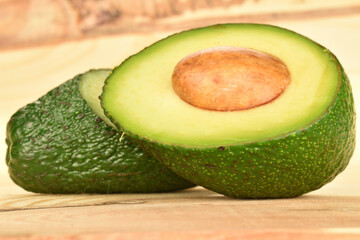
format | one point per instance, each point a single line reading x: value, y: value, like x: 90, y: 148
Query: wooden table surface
x: 31, y: 63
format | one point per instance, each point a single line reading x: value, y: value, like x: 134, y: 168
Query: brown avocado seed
x: 229, y: 78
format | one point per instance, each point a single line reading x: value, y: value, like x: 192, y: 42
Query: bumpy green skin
x: 58, y: 145
x: 282, y: 167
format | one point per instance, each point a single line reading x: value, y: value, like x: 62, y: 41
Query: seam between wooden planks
x: 75, y: 206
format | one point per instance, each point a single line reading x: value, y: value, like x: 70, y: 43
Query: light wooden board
x: 332, y: 212
x: 189, y: 212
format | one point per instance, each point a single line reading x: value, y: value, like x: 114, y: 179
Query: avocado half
x: 290, y: 145
x: 63, y: 143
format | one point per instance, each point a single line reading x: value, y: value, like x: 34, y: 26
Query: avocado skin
x: 58, y: 145
x: 281, y: 167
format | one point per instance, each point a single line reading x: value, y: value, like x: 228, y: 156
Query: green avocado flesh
x: 285, y: 148
x: 314, y: 79
x: 57, y: 144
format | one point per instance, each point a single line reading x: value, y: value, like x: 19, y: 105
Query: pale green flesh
x: 140, y: 97
x: 90, y: 86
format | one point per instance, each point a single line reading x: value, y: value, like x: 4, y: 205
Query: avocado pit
x: 229, y: 78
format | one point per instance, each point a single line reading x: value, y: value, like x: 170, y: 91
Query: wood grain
x: 196, y: 210
x: 34, y: 22
x: 267, y: 234
x: 207, y: 235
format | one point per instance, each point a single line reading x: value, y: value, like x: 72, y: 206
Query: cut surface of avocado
x: 57, y: 144
x: 90, y: 88
x: 293, y: 144
x: 162, y: 116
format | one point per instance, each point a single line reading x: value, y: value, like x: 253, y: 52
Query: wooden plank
x: 195, y: 210
x: 33, y: 22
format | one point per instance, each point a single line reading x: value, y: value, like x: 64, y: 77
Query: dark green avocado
x: 57, y: 144
x: 291, y: 145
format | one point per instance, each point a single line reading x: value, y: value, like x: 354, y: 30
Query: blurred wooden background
x: 34, y: 22
x: 45, y: 42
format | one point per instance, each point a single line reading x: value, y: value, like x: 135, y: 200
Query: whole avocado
x: 57, y: 144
